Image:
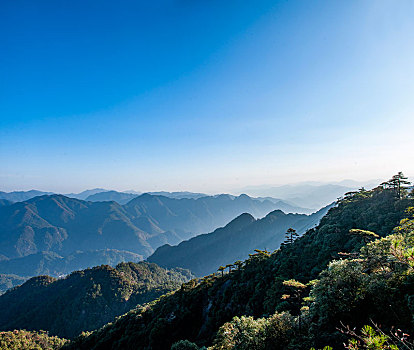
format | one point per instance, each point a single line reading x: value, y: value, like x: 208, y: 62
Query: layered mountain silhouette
x: 103, y: 195
x: 4, y: 202
x: 205, y: 253
x: 179, y: 195
x: 125, y: 197
x: 309, y: 194
x: 20, y: 196
x: 54, y: 234
x: 65, y: 225
x: 85, y: 194
x: 119, y: 197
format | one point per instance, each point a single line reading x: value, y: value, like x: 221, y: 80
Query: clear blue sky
x: 203, y: 95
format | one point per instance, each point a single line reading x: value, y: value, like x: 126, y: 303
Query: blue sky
x: 204, y: 95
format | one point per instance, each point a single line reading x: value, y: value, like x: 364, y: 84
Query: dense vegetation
x: 85, y: 300
x: 376, y: 285
x: 17, y: 340
x: 205, y: 253
x: 262, y: 298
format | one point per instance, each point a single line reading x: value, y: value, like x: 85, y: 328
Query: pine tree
x: 290, y: 235
x: 398, y: 184
x: 239, y: 264
x: 221, y: 268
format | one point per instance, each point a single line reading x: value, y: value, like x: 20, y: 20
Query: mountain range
x: 20, y: 196
x: 102, y: 195
x: 54, y: 234
x: 203, y: 254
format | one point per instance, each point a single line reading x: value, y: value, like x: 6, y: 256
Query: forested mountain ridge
x: 200, y: 308
x: 87, y: 299
x: 64, y: 225
x: 205, y: 253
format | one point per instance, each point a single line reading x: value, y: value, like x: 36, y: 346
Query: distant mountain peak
x: 276, y: 212
x: 224, y: 196
x: 147, y: 196
x: 244, y: 218
x: 243, y: 196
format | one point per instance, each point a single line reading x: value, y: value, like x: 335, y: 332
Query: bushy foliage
x: 21, y: 340
x: 244, y: 333
x: 378, y: 285
x: 375, y: 339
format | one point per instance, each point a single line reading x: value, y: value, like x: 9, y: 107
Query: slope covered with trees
x: 17, y: 340
x: 272, y: 287
x: 374, y: 286
x: 205, y: 253
x: 85, y: 300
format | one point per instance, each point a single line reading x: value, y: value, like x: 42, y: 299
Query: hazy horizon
x: 233, y: 191
x: 204, y: 96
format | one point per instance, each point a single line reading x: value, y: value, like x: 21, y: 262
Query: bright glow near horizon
x: 204, y: 96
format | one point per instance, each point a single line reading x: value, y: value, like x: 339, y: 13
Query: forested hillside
x: 17, y: 340
x: 205, y: 253
x: 85, y: 300
x: 376, y: 284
